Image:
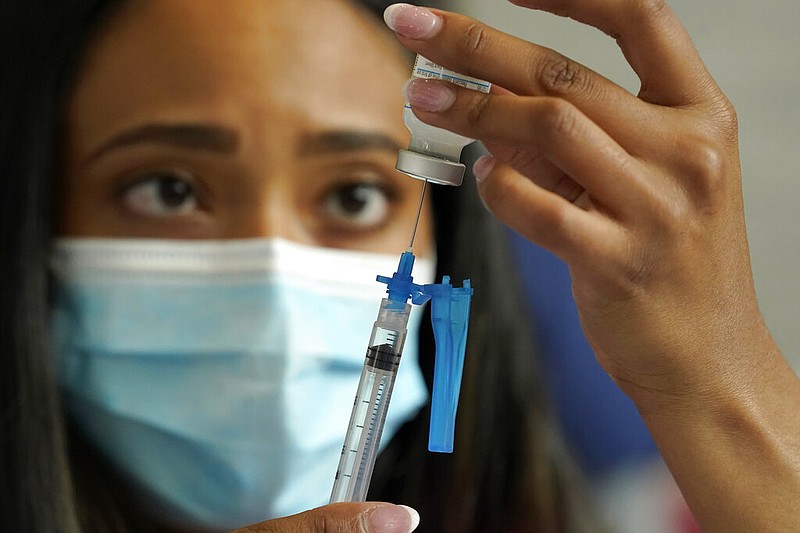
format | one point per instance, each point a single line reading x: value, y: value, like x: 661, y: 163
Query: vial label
x: 425, y: 68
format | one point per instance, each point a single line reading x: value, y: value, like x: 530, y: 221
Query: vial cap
x: 433, y: 169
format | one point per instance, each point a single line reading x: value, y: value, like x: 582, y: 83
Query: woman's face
x: 220, y: 120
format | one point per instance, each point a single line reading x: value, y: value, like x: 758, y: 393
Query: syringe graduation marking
x: 376, y: 406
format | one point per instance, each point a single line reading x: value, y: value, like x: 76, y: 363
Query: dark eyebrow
x: 336, y: 141
x: 207, y: 137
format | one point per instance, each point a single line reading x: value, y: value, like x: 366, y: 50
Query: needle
x: 419, y: 211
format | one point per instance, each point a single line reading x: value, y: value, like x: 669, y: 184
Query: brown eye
x: 161, y: 194
x: 358, y: 204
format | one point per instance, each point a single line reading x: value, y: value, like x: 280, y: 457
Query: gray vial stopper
x: 433, y: 169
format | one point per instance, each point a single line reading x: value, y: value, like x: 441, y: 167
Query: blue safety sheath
x: 450, y: 319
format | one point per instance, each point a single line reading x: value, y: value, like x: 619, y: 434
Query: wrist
x: 734, y: 449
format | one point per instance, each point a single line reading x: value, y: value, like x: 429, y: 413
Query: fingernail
x: 482, y: 167
x: 429, y: 95
x: 413, y: 22
x: 393, y: 519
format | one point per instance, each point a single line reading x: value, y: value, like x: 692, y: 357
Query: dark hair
x: 510, y: 471
x: 39, y: 42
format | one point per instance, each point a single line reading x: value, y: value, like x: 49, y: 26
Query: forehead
x: 325, y: 59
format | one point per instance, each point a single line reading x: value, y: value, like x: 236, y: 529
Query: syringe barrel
x: 374, y: 391
x: 388, y: 335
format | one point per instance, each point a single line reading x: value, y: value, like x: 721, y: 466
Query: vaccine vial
x: 434, y: 154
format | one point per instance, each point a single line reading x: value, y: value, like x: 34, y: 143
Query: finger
x: 535, y: 166
x: 649, y: 34
x: 527, y: 69
x: 548, y: 219
x: 343, y: 518
x: 524, y: 68
x: 653, y: 41
x: 556, y: 129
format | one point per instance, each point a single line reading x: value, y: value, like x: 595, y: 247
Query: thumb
x: 343, y: 518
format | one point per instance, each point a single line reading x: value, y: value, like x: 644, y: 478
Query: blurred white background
x: 753, y: 51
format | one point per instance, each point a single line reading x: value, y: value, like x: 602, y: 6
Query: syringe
x: 449, y: 318
x: 372, y: 401
x: 375, y: 386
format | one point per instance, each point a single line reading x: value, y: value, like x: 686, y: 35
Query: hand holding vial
x: 641, y: 196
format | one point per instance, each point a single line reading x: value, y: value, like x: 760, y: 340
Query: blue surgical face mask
x: 218, y: 376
